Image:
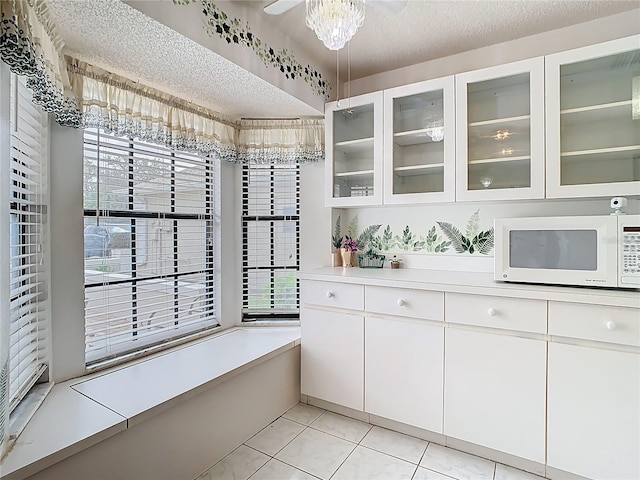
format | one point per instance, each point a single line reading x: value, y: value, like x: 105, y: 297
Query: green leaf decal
x: 483, y: 242
x: 459, y: 242
x: 365, y: 238
x: 352, y: 230
x: 336, y: 239
x: 473, y: 225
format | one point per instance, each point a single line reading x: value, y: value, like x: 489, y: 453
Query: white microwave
x: 596, y: 251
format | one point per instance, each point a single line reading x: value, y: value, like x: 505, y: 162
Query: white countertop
x: 473, y: 283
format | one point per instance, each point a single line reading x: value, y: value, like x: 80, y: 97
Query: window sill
x: 85, y: 411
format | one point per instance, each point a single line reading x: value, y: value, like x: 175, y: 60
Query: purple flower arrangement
x: 349, y: 244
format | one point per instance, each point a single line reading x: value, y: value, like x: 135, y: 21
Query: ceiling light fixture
x: 335, y: 21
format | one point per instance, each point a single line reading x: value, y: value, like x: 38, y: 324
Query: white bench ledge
x: 83, y: 412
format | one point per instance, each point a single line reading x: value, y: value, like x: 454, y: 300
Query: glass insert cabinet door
x: 419, y: 129
x: 593, y: 120
x: 500, y: 128
x: 353, y: 139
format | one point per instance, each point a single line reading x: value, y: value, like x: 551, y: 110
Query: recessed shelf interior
x: 425, y: 169
x: 358, y: 173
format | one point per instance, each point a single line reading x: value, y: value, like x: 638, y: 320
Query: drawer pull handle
x: 330, y: 295
x: 611, y: 325
x: 492, y: 312
x: 401, y: 302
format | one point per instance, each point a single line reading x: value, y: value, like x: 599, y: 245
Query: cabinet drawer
x: 332, y: 294
x: 595, y: 322
x: 405, y: 302
x: 497, y: 312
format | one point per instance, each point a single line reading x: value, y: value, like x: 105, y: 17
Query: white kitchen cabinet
x: 404, y: 369
x: 494, y: 392
x: 593, y: 120
x: 419, y: 142
x: 500, y: 132
x: 353, y: 138
x: 332, y: 357
x: 593, y: 424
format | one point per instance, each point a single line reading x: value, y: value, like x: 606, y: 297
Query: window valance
x: 280, y: 141
x: 30, y: 46
x: 81, y: 95
x: 127, y: 108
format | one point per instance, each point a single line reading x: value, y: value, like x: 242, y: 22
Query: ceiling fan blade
x: 280, y: 6
x: 392, y: 6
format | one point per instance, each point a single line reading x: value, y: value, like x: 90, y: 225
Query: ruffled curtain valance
x: 81, y: 95
x: 280, y: 141
x: 30, y: 46
x: 123, y: 107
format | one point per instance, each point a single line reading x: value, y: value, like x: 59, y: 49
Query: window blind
x: 270, y: 241
x: 29, y: 304
x: 150, y: 245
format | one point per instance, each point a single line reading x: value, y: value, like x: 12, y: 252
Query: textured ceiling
x: 428, y: 29
x: 118, y: 38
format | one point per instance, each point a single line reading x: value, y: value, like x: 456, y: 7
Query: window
x: 26, y: 250
x: 270, y: 241
x: 150, y: 246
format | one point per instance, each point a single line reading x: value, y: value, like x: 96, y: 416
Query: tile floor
x: 308, y: 443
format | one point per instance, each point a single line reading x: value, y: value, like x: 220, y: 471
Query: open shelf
x: 498, y: 121
x: 354, y: 146
x: 602, y: 113
x: 357, y: 173
x: 481, y: 161
x: 599, y: 151
x: 425, y: 169
x: 412, y: 137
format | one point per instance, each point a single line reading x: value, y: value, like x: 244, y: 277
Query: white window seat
x: 82, y: 412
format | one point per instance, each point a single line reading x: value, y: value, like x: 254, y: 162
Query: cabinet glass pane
x: 499, y: 133
x: 418, y: 146
x: 353, y: 152
x: 600, y: 120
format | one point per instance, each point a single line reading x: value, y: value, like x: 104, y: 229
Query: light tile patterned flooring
x: 308, y: 443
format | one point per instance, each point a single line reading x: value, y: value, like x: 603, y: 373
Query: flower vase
x: 346, y: 257
x: 336, y: 259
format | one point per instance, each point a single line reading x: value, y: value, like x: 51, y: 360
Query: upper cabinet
x: 354, y: 151
x: 500, y: 132
x: 593, y: 120
x: 419, y: 142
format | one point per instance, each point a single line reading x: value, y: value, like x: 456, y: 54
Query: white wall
x: 315, y: 218
x: 67, y: 247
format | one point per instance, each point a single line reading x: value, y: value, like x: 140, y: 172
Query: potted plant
x: 371, y: 259
x: 336, y: 245
x: 347, y: 247
x: 395, y: 261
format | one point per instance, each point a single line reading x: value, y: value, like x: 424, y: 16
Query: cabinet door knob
x: 492, y: 312
x: 330, y: 294
x: 611, y: 325
x: 401, y: 302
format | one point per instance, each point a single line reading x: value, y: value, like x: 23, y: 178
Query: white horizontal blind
x: 270, y: 240
x: 28, y: 242
x: 150, y: 243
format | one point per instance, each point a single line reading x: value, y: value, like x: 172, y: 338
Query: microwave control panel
x: 631, y: 250
x: 630, y: 255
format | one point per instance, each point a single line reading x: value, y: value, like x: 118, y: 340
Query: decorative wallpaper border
x: 440, y: 238
x: 217, y: 23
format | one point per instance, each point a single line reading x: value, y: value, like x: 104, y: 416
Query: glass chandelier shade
x: 335, y: 21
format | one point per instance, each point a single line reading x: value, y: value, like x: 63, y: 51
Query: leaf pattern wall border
x: 440, y: 238
x: 231, y: 29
